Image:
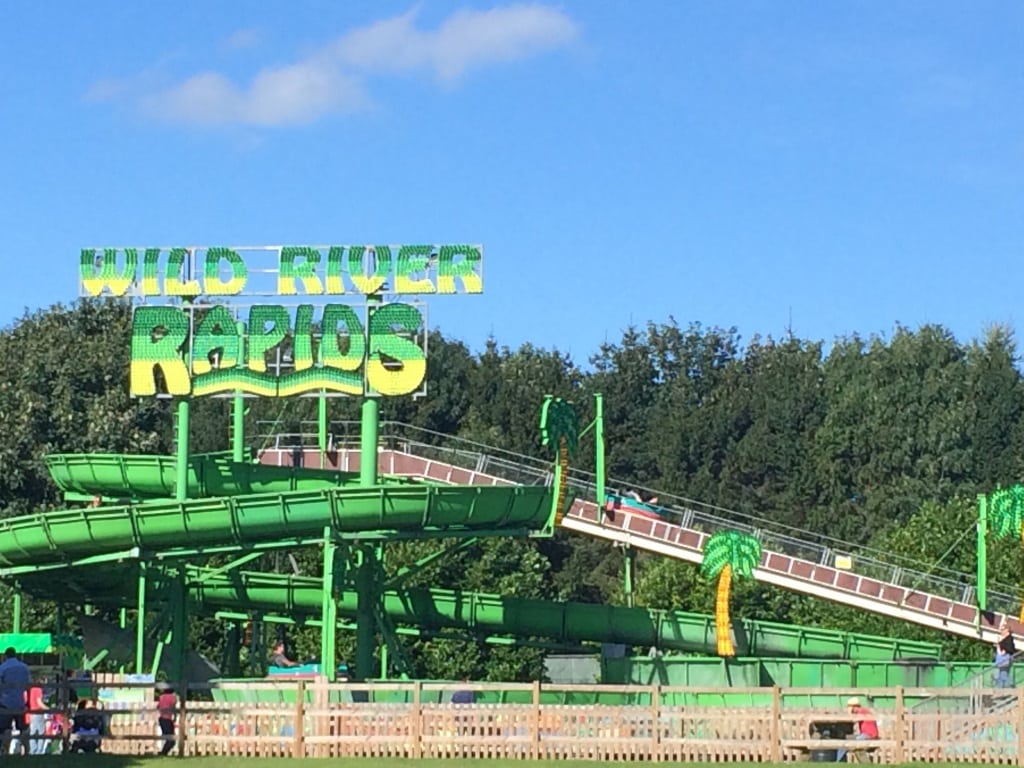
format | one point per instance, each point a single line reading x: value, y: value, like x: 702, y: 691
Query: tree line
x: 876, y: 441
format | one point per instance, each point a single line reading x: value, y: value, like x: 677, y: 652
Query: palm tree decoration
x: 1006, y: 516
x: 726, y: 553
x: 560, y: 425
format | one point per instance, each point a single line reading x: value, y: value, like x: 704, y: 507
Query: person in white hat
x: 867, y: 726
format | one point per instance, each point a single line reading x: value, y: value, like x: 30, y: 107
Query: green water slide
x: 562, y: 622
x: 242, y: 506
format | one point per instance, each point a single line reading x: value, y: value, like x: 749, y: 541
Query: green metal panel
x: 27, y: 642
x: 788, y: 673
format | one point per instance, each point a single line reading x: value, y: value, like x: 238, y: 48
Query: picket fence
x: 314, y: 718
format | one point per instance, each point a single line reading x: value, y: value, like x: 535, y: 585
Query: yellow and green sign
x: 193, y: 335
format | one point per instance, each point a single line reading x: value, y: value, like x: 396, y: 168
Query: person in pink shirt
x: 167, y: 710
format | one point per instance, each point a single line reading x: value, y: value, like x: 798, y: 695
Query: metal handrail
x: 805, y: 545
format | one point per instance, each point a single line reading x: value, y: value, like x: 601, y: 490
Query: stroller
x: 86, y: 729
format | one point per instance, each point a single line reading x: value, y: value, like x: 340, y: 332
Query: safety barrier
x: 529, y: 721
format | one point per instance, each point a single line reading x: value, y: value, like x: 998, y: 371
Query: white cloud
x: 242, y: 38
x: 292, y: 95
x: 333, y: 79
x: 464, y: 41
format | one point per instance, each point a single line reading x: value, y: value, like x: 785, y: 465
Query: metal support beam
x: 368, y: 442
x: 628, y: 573
x: 179, y: 626
x: 212, y: 573
x: 982, y: 591
x: 366, y: 562
x: 140, y: 621
x: 329, y: 608
x: 403, y: 574
x: 181, y: 463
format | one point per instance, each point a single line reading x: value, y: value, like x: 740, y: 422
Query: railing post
x: 417, y: 720
x: 774, y: 729
x: 535, y: 724
x: 899, y: 727
x: 1020, y: 726
x: 299, y: 728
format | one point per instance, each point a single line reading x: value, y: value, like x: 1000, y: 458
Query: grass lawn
x: 123, y: 761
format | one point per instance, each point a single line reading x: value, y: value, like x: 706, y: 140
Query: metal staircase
x: 792, y: 559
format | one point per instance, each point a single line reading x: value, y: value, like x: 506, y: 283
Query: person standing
x: 1003, y: 663
x: 167, y: 709
x: 37, y: 719
x: 15, y: 679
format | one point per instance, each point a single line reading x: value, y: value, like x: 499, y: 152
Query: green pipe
x: 53, y: 537
x: 16, y: 623
x: 599, y: 448
x: 321, y: 428
x: 564, y: 622
x: 181, y: 477
x: 238, y: 409
x: 368, y: 442
x: 628, y: 564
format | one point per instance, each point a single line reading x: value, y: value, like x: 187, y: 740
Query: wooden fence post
x: 535, y: 725
x: 417, y: 720
x: 899, y: 727
x: 656, y: 722
x: 774, y: 727
x: 182, y: 717
x: 299, y: 728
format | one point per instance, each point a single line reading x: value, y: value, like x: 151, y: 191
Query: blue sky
x: 840, y: 167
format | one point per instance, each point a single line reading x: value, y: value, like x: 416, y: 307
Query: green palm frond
x: 1006, y: 511
x: 739, y: 550
x: 558, y: 419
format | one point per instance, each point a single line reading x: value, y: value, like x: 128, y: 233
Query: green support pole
x: 179, y: 631
x: 329, y: 609
x: 599, y: 448
x: 628, y: 566
x: 17, y: 613
x: 140, y: 622
x: 321, y: 429
x: 181, y: 476
x: 982, y: 553
x: 366, y: 563
x: 238, y: 411
x: 368, y: 442
x: 122, y: 622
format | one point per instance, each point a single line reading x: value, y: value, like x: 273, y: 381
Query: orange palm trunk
x: 722, y: 623
x: 563, y: 471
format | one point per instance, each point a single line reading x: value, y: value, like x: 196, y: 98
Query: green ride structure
x: 156, y: 540
x: 144, y: 551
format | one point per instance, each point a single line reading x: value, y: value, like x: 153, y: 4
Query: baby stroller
x: 86, y: 730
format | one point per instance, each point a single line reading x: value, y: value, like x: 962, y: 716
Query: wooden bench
x: 854, y: 747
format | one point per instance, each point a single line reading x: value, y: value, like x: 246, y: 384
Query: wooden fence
x: 646, y: 723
